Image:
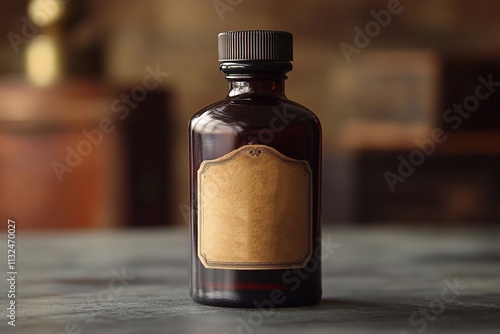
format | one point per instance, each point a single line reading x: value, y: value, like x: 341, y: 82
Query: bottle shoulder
x: 253, y: 111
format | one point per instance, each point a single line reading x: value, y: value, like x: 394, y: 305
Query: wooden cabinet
x: 58, y: 169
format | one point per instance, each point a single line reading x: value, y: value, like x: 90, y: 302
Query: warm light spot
x: 42, y: 61
x: 45, y: 12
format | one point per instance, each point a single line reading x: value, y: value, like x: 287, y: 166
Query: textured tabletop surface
x: 375, y: 280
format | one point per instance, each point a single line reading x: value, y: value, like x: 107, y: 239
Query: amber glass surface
x: 256, y: 111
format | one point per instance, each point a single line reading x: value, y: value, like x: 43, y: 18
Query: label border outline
x: 205, y: 166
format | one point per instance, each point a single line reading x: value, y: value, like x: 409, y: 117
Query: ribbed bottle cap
x: 255, y: 45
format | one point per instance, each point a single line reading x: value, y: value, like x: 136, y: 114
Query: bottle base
x: 257, y: 299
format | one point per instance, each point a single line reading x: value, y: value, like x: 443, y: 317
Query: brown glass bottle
x: 257, y: 114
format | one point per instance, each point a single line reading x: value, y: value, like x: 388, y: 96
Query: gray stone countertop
x: 375, y: 280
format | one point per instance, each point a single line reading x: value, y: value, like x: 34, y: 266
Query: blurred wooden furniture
x: 396, y: 98
x: 38, y: 127
x: 149, y: 160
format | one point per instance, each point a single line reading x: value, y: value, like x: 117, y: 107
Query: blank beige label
x: 254, y: 210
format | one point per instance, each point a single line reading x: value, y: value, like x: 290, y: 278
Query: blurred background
x: 95, y: 97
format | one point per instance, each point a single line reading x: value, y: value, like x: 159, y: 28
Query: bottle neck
x: 239, y: 87
x: 256, y: 77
